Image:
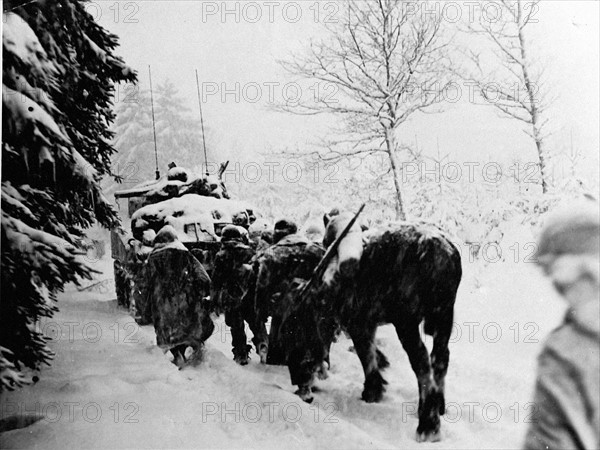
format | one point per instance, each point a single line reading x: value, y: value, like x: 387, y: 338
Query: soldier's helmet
x: 283, y: 228
x: 572, y: 230
x: 166, y: 235
x: 148, y: 237
x: 241, y: 219
x: 233, y: 233
x: 177, y: 173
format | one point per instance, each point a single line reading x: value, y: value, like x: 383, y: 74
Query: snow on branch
x: 44, y: 250
x: 19, y: 39
x: 22, y: 110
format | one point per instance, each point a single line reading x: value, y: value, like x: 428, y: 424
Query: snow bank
x: 111, y: 387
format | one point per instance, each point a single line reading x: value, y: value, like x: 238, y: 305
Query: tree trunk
x: 542, y: 156
x: 533, y: 107
x: 390, y: 142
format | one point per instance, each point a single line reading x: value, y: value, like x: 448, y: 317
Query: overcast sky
x: 177, y: 37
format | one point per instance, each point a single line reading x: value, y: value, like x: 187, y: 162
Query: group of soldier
x: 174, y: 291
x: 257, y: 274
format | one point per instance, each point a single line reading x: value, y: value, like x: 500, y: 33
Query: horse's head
x: 344, y: 265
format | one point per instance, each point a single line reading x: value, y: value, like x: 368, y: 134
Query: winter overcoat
x: 174, y: 285
x: 567, y: 393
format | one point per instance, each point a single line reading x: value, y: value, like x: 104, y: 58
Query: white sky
x: 177, y: 37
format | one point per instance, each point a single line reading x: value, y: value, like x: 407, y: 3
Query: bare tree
x: 381, y: 62
x: 514, y: 84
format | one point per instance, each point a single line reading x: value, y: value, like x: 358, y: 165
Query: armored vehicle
x: 198, y: 207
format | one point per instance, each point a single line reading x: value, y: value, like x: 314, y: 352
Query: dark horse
x: 405, y: 275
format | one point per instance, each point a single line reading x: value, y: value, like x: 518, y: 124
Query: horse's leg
x: 364, y: 343
x: 429, y: 416
x: 382, y: 361
x: 440, y: 354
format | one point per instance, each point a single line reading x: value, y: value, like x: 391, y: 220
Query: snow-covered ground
x: 110, y: 386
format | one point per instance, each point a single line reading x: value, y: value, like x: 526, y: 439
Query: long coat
x: 567, y: 393
x: 232, y: 276
x: 174, y: 284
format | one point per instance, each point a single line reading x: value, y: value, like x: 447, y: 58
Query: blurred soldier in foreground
x: 567, y: 391
x: 172, y: 292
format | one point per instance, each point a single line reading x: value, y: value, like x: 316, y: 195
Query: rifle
x: 222, y: 169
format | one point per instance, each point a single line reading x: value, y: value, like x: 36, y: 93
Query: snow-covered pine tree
x: 59, y: 73
x: 178, y: 134
x: 134, y: 160
x: 177, y: 128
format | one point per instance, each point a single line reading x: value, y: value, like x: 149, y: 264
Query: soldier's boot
x: 305, y: 393
x: 263, y: 350
x: 240, y: 356
x: 178, y: 353
x: 260, y: 341
x: 238, y: 335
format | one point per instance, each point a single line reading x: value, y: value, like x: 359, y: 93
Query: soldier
x: 173, y: 288
x: 136, y: 268
x: 291, y: 256
x: 232, y: 281
x: 567, y: 390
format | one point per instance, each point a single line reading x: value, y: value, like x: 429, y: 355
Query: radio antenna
x: 153, y: 125
x: 202, y: 122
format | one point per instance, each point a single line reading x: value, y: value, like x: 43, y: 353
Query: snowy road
x: 109, y: 386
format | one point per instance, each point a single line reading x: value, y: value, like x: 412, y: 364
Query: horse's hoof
x: 429, y: 436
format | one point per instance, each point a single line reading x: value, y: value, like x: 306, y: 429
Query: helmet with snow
x: 233, y: 233
x: 148, y: 237
x: 166, y: 235
x: 571, y: 230
x: 569, y: 245
x: 241, y: 219
x: 177, y: 173
x: 283, y: 228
